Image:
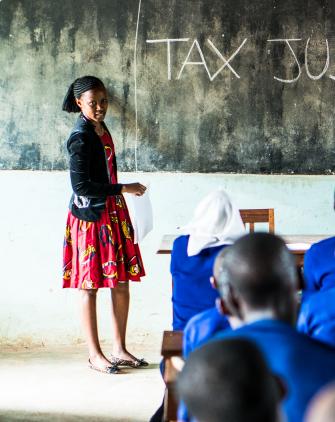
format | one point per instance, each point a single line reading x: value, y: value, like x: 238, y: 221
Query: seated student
x: 229, y: 381
x: 322, y: 407
x: 317, y: 312
x: 257, y: 280
x: 198, y: 331
x: 216, y: 223
x: 203, y: 327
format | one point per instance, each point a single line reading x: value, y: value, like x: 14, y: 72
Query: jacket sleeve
x: 79, y: 150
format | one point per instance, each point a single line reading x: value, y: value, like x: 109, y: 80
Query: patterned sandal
x: 137, y: 363
x: 113, y: 369
x: 141, y: 362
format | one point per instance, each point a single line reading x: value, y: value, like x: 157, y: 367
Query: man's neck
x: 251, y: 316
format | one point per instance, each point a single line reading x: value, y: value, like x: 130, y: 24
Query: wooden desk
x: 171, y: 346
x: 305, y: 240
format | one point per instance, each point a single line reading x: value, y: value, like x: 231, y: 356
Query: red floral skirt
x: 102, y: 253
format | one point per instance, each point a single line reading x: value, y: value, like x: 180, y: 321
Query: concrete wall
x: 227, y: 124
x: 34, y: 308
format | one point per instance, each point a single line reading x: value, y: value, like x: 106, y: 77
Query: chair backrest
x: 253, y: 216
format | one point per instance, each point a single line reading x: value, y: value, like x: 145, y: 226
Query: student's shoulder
x: 320, y: 350
x: 203, y: 317
x: 261, y: 330
x: 318, y: 302
x: 202, y: 328
x: 321, y: 246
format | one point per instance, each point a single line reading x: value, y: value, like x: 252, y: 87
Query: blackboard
x: 195, y: 85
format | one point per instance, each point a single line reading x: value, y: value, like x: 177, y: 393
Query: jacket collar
x: 83, y: 124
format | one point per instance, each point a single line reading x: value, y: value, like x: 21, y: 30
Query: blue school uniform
x: 317, y: 316
x: 304, y: 364
x: 191, y: 292
x: 319, y: 266
x: 201, y: 328
x: 317, y: 311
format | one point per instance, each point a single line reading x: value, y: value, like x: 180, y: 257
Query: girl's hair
x: 76, y: 89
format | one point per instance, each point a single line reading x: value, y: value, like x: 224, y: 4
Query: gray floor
x: 39, y: 384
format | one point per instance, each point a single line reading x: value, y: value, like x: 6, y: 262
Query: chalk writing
x: 168, y: 42
x: 195, y: 46
x: 187, y: 63
x: 315, y: 78
x: 226, y: 62
x: 202, y: 62
x: 288, y: 41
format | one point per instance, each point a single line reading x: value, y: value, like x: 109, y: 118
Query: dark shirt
x: 88, y: 172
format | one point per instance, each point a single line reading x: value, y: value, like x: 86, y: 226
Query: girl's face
x: 94, y: 104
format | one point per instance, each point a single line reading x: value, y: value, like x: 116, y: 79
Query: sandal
x: 137, y: 363
x: 142, y: 362
x: 113, y: 369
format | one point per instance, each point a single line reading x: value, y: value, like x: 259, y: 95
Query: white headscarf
x: 216, y: 221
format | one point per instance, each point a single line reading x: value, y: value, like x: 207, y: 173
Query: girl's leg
x: 120, y: 308
x: 89, y: 323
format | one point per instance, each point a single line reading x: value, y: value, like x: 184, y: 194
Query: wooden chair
x: 253, y: 216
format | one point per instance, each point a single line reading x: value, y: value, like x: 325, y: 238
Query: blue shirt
x: 317, y: 316
x: 317, y: 312
x: 191, y: 292
x: 319, y: 266
x: 304, y: 364
x: 201, y: 328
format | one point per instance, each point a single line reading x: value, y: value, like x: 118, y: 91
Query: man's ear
x: 222, y: 307
x: 213, y: 282
x: 282, y: 387
x: 234, y: 304
x: 230, y: 305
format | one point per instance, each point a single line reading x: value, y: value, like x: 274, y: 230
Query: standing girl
x: 99, y: 249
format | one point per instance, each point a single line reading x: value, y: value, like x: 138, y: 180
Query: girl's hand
x: 134, y: 188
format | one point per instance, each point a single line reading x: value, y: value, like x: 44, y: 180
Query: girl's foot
x: 100, y: 362
x: 124, y: 358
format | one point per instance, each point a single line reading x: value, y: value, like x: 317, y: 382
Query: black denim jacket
x: 88, y: 172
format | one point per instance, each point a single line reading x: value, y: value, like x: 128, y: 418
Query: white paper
x: 298, y: 246
x: 140, y: 211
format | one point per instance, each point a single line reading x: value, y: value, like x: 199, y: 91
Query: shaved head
x: 229, y: 381
x: 262, y: 271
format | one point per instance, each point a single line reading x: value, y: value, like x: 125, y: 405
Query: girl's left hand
x: 135, y: 188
